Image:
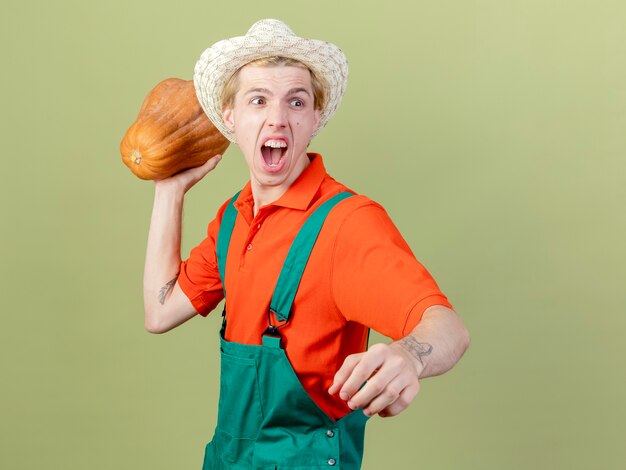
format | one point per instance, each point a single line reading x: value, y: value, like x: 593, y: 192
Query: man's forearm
x: 163, y: 251
x: 438, y: 342
x: 165, y: 304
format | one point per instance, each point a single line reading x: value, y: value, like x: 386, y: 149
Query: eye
x: 297, y: 102
x: 257, y: 100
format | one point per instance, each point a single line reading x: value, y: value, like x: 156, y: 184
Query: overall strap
x: 223, y: 238
x: 297, y: 258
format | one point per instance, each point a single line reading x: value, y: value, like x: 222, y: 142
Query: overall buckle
x: 272, y: 330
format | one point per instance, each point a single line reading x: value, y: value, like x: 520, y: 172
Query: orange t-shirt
x: 361, y: 274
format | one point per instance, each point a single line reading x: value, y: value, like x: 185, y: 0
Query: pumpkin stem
x: 135, y: 157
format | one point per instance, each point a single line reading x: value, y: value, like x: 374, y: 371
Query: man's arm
x: 392, y: 371
x: 165, y: 304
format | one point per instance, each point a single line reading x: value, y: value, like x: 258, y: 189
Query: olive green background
x: 493, y: 133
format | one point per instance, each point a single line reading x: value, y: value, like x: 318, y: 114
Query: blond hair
x: 232, y: 84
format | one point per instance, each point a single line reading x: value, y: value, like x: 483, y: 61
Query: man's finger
x: 404, y: 400
x: 381, y: 389
x: 344, y: 372
x: 369, y: 362
x: 192, y: 176
x: 201, y: 171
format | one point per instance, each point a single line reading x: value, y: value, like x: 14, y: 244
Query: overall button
x: 331, y: 462
x: 330, y: 433
x: 249, y: 247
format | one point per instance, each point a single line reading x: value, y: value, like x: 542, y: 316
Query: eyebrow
x: 293, y: 91
x: 266, y: 91
x: 258, y: 90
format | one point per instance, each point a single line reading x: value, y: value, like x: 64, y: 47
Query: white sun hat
x: 268, y: 38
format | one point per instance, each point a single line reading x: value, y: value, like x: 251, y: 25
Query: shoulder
x: 359, y: 226
x: 358, y: 212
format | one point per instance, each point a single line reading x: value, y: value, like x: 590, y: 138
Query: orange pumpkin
x: 171, y: 134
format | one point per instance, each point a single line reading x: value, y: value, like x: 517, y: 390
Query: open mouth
x: 273, y: 152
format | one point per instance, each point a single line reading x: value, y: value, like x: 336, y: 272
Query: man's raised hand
x: 185, y: 180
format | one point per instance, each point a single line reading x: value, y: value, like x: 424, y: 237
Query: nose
x: 277, y: 115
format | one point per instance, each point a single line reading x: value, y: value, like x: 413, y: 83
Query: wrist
x: 419, y: 352
x: 168, y: 189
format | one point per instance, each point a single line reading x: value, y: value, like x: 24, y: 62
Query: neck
x: 263, y: 197
x: 267, y: 194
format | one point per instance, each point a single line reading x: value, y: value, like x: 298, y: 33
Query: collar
x: 299, y: 195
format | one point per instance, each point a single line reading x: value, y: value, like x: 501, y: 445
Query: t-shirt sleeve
x: 376, y: 279
x: 199, y: 276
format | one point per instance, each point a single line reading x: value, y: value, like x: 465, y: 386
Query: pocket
x: 239, y: 413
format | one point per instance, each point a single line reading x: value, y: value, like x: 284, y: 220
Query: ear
x: 316, y: 118
x: 229, y: 120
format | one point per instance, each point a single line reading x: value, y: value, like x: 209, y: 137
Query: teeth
x: 277, y: 144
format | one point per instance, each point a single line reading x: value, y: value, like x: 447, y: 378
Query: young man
x: 307, y: 267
